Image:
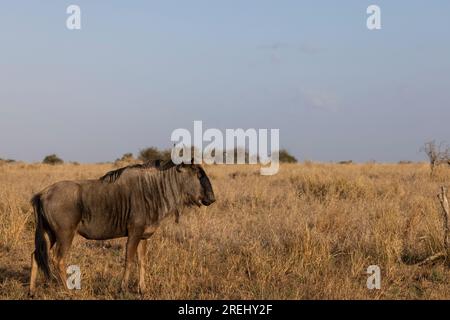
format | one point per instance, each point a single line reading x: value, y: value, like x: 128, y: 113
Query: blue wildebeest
x: 128, y: 202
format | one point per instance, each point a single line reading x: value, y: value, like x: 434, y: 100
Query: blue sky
x: 140, y: 69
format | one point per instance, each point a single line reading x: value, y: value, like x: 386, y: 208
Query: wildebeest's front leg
x: 132, y: 244
x: 141, y: 251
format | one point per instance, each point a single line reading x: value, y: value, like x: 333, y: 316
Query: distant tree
x: 166, y: 154
x: 148, y: 154
x: 152, y: 153
x: 7, y: 160
x: 437, y: 154
x: 126, y: 157
x: 345, y: 162
x: 52, y: 159
x: 286, y: 157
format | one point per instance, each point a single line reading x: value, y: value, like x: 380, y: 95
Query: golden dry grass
x: 309, y: 232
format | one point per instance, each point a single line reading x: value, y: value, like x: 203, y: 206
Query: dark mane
x: 161, y: 165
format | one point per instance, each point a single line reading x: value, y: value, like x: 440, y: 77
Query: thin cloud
x: 321, y: 100
x: 310, y: 49
x: 305, y: 48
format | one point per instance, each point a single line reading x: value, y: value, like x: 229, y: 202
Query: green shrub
x: 52, y: 159
x: 286, y: 157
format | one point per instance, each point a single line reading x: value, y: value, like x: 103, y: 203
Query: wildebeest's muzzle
x: 210, y: 199
x: 208, y: 192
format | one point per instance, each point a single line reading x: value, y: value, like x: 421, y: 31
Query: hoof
x: 142, y: 289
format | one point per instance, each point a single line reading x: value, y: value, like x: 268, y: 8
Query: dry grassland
x: 309, y: 232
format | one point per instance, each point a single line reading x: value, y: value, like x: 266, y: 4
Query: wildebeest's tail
x: 40, y: 243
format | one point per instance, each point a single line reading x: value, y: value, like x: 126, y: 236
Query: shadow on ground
x: 21, y: 276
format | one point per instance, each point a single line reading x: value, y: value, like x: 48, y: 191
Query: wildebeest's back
x: 105, y: 209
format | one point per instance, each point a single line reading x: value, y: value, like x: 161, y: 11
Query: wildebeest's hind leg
x: 132, y: 244
x: 63, y: 242
x: 141, y: 253
x: 34, y: 266
x: 33, y: 277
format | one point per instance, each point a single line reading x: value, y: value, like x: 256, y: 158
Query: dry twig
x: 442, y: 196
